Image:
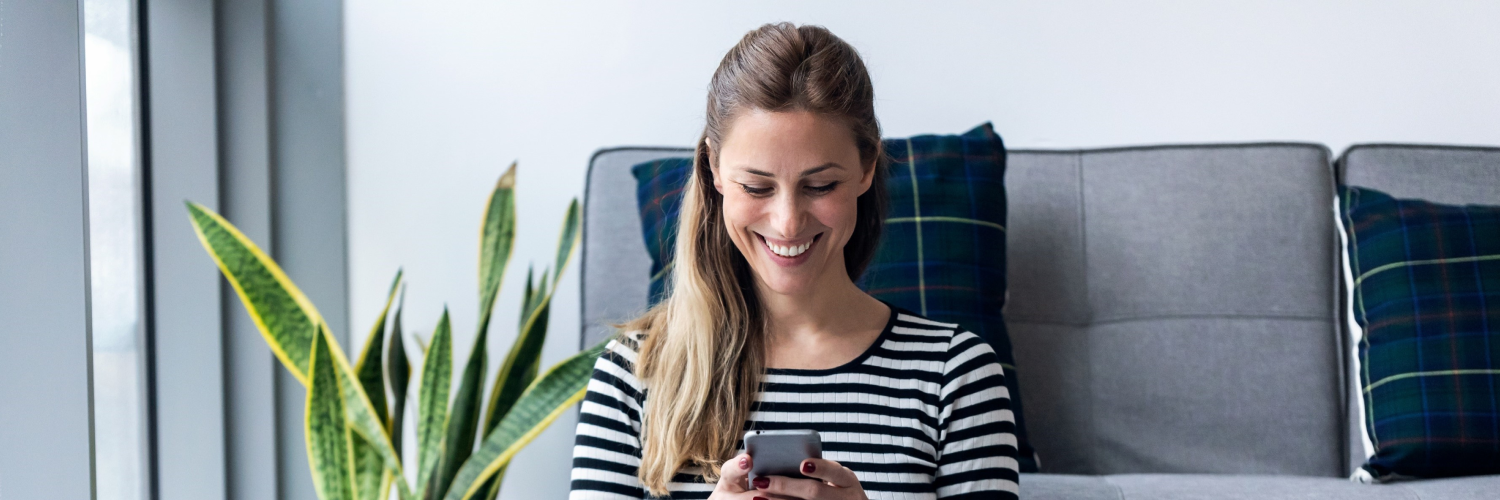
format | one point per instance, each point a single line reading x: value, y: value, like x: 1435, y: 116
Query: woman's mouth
x: 788, y: 252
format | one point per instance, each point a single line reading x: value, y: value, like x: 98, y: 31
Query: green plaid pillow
x: 943, y: 251
x: 1426, y: 299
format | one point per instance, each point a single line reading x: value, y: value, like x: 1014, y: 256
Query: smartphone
x: 780, y: 453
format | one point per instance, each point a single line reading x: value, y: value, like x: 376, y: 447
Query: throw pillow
x: 1425, y: 299
x: 943, y: 250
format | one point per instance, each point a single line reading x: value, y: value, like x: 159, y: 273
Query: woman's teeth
x: 788, y: 251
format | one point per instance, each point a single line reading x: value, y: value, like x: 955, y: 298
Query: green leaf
x: 369, y: 470
x: 371, y: 480
x: 289, y: 323
x: 497, y: 236
x: 399, y: 371
x: 567, y: 242
x: 369, y: 365
x: 524, y: 360
x: 491, y: 486
x: 432, y: 402
x: 329, y: 438
x: 526, y: 298
x: 548, y: 398
x: 361, y: 415
x: 520, y: 367
x: 463, y: 418
x: 282, y: 313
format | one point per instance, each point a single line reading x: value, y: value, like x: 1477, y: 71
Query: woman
x: 764, y: 327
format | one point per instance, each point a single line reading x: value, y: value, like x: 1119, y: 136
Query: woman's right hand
x: 734, y: 481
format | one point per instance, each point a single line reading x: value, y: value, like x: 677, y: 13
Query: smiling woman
x: 764, y: 328
x: 790, y: 182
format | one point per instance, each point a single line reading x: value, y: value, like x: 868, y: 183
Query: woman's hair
x: 702, y: 356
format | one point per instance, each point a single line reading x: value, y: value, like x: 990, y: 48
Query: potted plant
x: 353, y: 436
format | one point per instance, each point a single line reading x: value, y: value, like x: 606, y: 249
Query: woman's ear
x: 708, y: 147
x: 868, y: 175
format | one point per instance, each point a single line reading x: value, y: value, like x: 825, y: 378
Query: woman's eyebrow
x: 805, y: 173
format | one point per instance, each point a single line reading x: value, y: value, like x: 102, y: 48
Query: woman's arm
x: 978, y: 456
x: 607, y: 449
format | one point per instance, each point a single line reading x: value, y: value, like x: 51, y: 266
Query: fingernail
x: 762, y: 483
x: 744, y: 462
x: 808, y: 467
x: 760, y: 498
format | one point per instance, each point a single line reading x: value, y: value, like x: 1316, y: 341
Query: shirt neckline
x: 885, y: 333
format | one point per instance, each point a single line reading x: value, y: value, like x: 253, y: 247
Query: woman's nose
x: 788, y: 215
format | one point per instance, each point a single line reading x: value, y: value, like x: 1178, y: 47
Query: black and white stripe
x: 923, y: 414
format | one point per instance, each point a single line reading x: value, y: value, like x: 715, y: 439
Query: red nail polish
x: 762, y: 482
x: 744, y: 462
x: 808, y: 468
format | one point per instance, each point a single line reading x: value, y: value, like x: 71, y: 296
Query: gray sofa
x: 1174, y: 310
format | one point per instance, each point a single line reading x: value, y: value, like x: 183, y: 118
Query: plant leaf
x: 329, y: 439
x: 491, y: 486
x: 520, y: 367
x: 288, y: 322
x: 567, y: 242
x: 463, y: 417
x: 369, y: 470
x: 432, y: 402
x: 524, y: 360
x: 547, y: 399
x: 361, y: 414
x: 399, y: 372
x: 497, y: 236
x: 282, y: 313
x: 526, y: 298
x: 369, y: 368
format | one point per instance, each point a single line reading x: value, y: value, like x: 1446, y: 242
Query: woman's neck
x: 823, y: 329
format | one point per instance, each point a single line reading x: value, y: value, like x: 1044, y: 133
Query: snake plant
x: 355, y: 414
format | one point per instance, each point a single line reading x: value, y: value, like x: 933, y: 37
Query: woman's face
x: 790, y: 182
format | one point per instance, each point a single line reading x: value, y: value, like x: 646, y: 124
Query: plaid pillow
x: 1426, y: 301
x: 943, y: 251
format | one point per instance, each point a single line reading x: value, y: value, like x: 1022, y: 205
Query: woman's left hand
x: 831, y: 481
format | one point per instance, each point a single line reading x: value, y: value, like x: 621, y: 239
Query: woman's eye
x: 756, y: 191
x: 823, y: 189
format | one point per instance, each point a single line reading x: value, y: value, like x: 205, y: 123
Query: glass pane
x: 122, y: 470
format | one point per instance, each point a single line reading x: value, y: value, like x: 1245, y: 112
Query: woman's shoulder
x: 625, y: 343
x: 959, y: 342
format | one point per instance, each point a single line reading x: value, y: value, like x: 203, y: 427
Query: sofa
x: 1175, y: 311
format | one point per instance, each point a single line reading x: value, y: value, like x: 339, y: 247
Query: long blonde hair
x: 702, y: 357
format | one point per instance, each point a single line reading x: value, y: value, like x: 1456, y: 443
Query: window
x: 120, y: 396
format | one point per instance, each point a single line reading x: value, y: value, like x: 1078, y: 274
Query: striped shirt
x: 922, y: 414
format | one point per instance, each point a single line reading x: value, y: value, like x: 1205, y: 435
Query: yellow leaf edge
x: 281, y: 278
x: 318, y: 479
x: 521, y: 442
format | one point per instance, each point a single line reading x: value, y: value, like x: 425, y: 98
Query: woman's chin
x: 789, y: 285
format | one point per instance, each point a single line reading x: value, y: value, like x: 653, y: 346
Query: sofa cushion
x: 1460, y: 488
x: 1067, y: 487
x: 1247, y: 487
x: 1173, y: 308
x: 1453, y: 175
x: 1425, y: 283
x: 943, y: 251
x: 1216, y: 487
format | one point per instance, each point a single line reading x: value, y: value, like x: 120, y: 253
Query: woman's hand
x: 831, y: 481
x: 732, y: 477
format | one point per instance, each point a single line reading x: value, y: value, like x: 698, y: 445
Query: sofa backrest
x: 616, y: 268
x: 1171, y: 308
x: 1454, y: 175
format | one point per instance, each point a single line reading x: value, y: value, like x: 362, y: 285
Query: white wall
x: 443, y: 94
